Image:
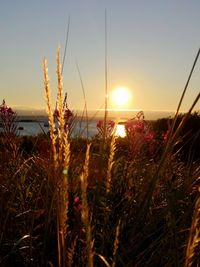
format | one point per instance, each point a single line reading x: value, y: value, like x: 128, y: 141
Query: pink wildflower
x: 68, y: 114
x: 76, y: 200
x: 139, y: 126
x: 56, y: 113
x: 99, y: 124
x: 10, y: 111
x: 4, y: 109
x: 148, y: 137
x: 8, y: 120
x: 77, y: 203
x: 165, y: 136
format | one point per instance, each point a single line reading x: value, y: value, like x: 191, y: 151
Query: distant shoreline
x: 41, y: 115
x: 32, y: 115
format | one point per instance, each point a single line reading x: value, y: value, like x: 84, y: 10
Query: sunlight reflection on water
x: 120, y: 130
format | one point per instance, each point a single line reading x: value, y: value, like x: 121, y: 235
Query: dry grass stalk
x: 110, y: 161
x: 63, y: 196
x: 192, y: 253
x: 50, y: 113
x: 71, y: 252
x: 184, y: 91
x: 167, y: 153
x: 116, y: 243
x: 103, y: 259
x: 106, y: 84
x: 173, y: 137
x: 61, y: 121
x: 61, y: 157
x: 85, y: 102
x: 85, y: 210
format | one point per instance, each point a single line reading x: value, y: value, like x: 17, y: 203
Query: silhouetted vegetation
x: 109, y: 201
x: 156, y: 238
x: 189, y: 142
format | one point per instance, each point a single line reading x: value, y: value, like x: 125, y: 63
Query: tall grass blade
x: 106, y: 82
x: 66, y: 44
x: 64, y: 155
x: 192, y: 252
x: 84, y: 97
x: 85, y: 210
x: 183, y: 93
x: 50, y: 113
x: 166, y: 155
x: 103, y: 259
x: 61, y: 156
x: 110, y: 160
x: 116, y: 244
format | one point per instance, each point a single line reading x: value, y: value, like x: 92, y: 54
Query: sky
x: 151, y: 46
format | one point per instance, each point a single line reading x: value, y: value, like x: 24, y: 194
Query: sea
x: 35, y: 124
x: 32, y: 127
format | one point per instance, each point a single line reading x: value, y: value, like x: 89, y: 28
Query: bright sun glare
x: 120, y: 96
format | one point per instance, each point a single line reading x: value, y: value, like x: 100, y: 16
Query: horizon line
x: 101, y: 109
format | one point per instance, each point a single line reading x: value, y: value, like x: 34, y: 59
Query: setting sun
x: 120, y: 96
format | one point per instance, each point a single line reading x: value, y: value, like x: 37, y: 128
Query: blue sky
x: 151, y: 48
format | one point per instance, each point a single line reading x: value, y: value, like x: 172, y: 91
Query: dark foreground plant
x: 8, y: 130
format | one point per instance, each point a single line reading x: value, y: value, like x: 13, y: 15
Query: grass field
x: 108, y: 201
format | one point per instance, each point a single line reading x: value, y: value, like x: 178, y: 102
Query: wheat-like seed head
x: 49, y: 112
x: 116, y: 243
x: 110, y: 160
x: 66, y: 156
x: 61, y: 157
x: 61, y: 121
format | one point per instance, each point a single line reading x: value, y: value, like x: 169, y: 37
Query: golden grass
x: 49, y: 112
x: 61, y: 157
x: 110, y: 161
x: 116, y: 243
x: 85, y: 210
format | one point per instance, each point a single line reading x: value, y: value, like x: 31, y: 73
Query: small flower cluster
x: 138, y: 132
x: 77, y: 203
x: 68, y: 115
x: 8, y: 120
x: 165, y: 136
x: 138, y: 125
x: 6, y: 111
x: 107, y: 130
x: 135, y: 126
